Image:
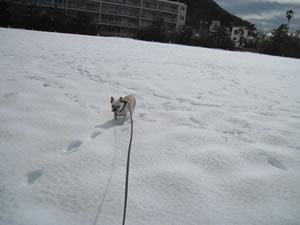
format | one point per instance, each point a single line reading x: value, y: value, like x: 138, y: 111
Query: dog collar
x: 118, y: 113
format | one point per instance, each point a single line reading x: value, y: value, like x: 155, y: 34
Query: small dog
x: 121, y: 106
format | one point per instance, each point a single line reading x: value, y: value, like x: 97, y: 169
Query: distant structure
x: 239, y: 35
x: 122, y: 17
x: 215, y: 24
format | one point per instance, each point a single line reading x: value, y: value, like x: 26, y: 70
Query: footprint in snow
x: 95, y: 134
x: 161, y: 96
x: 143, y: 116
x: 124, y: 129
x: 33, y: 176
x: 182, y: 100
x: 73, y: 146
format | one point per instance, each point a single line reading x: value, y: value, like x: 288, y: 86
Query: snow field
x: 216, y: 133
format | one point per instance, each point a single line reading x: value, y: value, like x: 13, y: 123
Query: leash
x: 127, y: 168
x: 108, y: 182
x: 127, y: 174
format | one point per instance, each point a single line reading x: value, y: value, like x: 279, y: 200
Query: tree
x: 289, y: 15
x: 154, y: 32
x: 274, y: 45
x: 184, y: 36
x: 282, y: 44
x: 221, y: 38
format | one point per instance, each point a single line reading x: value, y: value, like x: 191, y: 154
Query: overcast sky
x: 267, y: 14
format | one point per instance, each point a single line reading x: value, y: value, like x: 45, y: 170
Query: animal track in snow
x: 238, y: 134
x: 194, y: 120
x: 143, y: 117
x: 182, y: 100
x: 83, y: 71
x: 32, y: 77
x: 199, y: 96
x: 53, y: 84
x: 206, y: 105
x: 272, y: 161
x: 72, y: 97
x: 266, y: 114
x: 33, y: 176
x: 161, y: 96
x: 235, y: 82
x: 94, y: 107
x: 241, y: 123
x: 10, y: 94
x: 234, y: 132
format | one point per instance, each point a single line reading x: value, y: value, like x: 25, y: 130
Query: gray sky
x: 267, y: 14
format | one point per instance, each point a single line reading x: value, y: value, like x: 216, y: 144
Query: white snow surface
x: 216, y: 133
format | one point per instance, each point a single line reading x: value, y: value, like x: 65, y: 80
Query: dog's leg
x: 124, y: 117
x: 115, y: 116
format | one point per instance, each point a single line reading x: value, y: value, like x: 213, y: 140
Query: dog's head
x: 117, y: 105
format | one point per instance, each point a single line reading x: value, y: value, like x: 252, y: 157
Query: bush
x: 184, y: 35
x: 154, y: 32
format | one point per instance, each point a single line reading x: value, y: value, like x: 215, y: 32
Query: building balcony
x: 118, y: 24
x: 123, y: 2
x: 84, y: 5
x: 117, y: 10
x: 119, y: 21
x: 170, y: 8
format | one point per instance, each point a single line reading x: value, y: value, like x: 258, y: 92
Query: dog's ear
x: 111, y: 99
x: 121, y: 99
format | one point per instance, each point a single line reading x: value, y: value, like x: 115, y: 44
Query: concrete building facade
x: 123, y: 17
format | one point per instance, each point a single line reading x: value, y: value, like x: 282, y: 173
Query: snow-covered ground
x: 216, y: 133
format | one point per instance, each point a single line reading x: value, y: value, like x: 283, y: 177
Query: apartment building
x: 122, y: 17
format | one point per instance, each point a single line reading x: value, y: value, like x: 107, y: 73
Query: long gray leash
x: 127, y: 168
x: 127, y: 175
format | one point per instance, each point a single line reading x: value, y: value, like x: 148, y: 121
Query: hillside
x: 208, y: 10
x: 216, y: 133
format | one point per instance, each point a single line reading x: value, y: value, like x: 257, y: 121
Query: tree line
x: 280, y: 44
x: 186, y: 36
